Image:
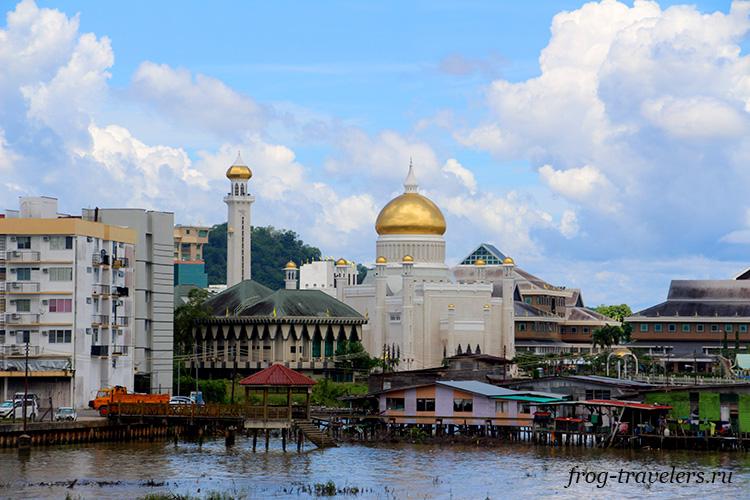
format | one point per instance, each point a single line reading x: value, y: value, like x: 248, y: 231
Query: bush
x: 326, y: 392
x: 214, y: 391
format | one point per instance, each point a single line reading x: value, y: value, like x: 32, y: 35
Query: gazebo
x: 278, y: 379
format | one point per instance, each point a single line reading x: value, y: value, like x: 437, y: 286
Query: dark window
x: 394, y: 404
x: 686, y: 327
x: 463, y: 404
x: 24, y: 242
x: 425, y: 405
x: 699, y: 327
x: 644, y: 327
x: 657, y: 327
x: 598, y: 394
x: 672, y: 327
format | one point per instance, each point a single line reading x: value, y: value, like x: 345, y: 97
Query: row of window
x: 53, y: 336
x: 55, y: 242
x: 55, y: 273
x: 574, y: 329
x: 691, y: 327
x: 54, y: 305
x: 459, y: 405
x: 535, y: 327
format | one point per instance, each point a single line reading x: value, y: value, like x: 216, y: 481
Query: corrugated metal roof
x: 477, y: 387
x: 278, y: 375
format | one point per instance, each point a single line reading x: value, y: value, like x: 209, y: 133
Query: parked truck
x: 119, y: 394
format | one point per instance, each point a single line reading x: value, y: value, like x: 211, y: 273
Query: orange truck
x: 119, y: 394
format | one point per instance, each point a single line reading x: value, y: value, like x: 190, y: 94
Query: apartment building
x: 189, y: 266
x: 66, y: 292
x: 153, y: 298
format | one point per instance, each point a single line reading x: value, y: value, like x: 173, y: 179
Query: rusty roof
x: 277, y: 375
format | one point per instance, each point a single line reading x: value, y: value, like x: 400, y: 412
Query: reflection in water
x: 116, y: 470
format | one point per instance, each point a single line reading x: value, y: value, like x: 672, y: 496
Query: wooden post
x: 283, y: 440
x: 255, y: 439
x: 265, y: 404
x: 268, y: 437
x: 300, y: 438
x: 289, y: 402
x: 307, y: 403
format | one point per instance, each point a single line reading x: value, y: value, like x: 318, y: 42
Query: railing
x: 204, y: 411
x: 119, y: 321
x: 681, y: 380
x: 22, y: 256
x: 99, y: 350
x: 21, y: 318
x: 100, y: 320
x: 119, y: 350
x: 120, y: 291
x: 21, y: 287
x: 18, y: 350
x: 100, y: 290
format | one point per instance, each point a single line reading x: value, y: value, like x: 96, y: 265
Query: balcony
x: 120, y: 262
x: 120, y: 291
x: 99, y: 350
x: 119, y: 350
x: 98, y: 259
x: 120, y: 321
x: 12, y: 287
x: 19, y: 350
x: 101, y: 291
x: 100, y: 320
x: 21, y: 256
x: 17, y: 318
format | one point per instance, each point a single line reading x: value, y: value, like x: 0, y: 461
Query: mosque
x: 414, y: 305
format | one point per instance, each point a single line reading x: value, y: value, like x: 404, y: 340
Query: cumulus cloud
x: 639, y: 117
x: 569, y: 224
x: 463, y: 174
x: 197, y: 101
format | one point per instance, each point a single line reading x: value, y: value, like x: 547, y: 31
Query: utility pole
x: 26, y: 336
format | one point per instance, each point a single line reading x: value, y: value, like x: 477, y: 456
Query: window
x: 395, y: 316
x: 714, y: 328
x: 521, y: 327
x: 728, y: 327
x: 425, y: 404
x: 501, y: 407
x: 59, y: 336
x: 699, y: 327
x: 460, y: 404
x: 202, y: 233
x: 527, y: 300
x: 60, y: 273
x: 2, y: 336
x: 598, y: 394
x: 23, y: 305
x: 293, y: 349
x: 585, y: 329
x: 60, y: 305
x: 60, y: 242
x: 657, y: 327
x: 23, y: 242
x: 686, y: 327
x: 394, y: 404
x: 573, y: 329
x: 672, y: 327
x: 743, y: 328
x: 525, y: 409
x: 23, y: 274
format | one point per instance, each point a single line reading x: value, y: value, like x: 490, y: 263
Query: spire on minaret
x: 239, y: 160
x: 410, y: 183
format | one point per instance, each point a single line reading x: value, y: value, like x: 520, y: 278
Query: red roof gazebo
x: 278, y: 379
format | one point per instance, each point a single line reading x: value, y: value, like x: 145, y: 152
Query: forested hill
x: 272, y: 248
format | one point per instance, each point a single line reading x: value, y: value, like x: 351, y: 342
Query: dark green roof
x: 236, y: 297
x: 300, y: 303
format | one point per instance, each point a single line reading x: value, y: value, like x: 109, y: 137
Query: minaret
x: 290, y: 276
x: 407, y: 313
x: 239, y: 201
x: 381, y: 287
x: 508, y: 327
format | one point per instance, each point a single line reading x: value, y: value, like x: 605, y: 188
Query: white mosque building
x: 412, y: 300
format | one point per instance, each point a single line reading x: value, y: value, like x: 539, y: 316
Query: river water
x: 133, y: 470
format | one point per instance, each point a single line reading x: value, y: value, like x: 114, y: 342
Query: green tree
x: 272, y: 248
x: 185, y: 317
x: 608, y: 335
x: 617, y: 312
x: 352, y: 354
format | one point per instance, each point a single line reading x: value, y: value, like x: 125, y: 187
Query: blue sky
x: 603, y: 145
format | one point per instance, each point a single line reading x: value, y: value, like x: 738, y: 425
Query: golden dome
x: 290, y: 265
x: 407, y: 258
x: 410, y: 213
x: 381, y: 260
x: 341, y: 262
x: 479, y: 262
x: 239, y: 171
x: 508, y: 260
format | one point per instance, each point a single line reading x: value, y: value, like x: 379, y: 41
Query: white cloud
x: 569, y: 224
x: 463, y: 174
x: 197, y: 101
x: 639, y: 116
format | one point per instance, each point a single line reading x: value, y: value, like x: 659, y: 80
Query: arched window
x: 236, y: 189
x: 242, y: 189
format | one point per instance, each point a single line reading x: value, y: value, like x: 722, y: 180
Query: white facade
x: 154, y: 293
x: 415, y: 306
x: 66, y: 284
x: 239, y: 224
x: 321, y: 275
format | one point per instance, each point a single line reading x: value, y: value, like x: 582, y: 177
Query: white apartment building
x: 66, y: 285
x: 153, y: 297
